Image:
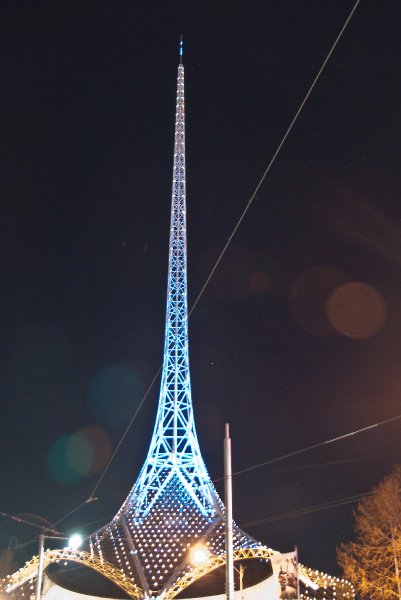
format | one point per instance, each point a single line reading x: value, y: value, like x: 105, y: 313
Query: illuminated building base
x: 329, y: 588
x: 265, y: 590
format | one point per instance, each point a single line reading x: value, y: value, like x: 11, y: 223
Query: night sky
x: 297, y: 338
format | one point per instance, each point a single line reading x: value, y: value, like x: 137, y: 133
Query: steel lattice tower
x: 174, y: 449
x: 173, y: 504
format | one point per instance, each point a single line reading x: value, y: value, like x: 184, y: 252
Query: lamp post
x: 40, y: 565
x: 240, y: 572
x: 228, y: 495
x: 75, y: 541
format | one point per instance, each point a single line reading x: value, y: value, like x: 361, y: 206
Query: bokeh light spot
x: 308, y: 298
x: 101, y: 446
x: 69, y: 459
x: 113, y: 395
x: 259, y: 282
x: 356, y: 310
x: 79, y: 454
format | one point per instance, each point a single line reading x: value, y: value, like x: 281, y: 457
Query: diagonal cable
x: 309, y: 509
x: 318, y: 445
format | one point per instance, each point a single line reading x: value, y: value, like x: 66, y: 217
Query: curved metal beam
x: 342, y: 587
x: 213, y: 563
x: 30, y: 570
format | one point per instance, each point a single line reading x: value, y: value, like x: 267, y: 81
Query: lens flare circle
x: 69, y: 459
x: 356, y: 310
x: 308, y: 298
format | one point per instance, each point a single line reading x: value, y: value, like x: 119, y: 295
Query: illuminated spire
x: 173, y: 504
x: 174, y: 449
x: 181, y: 49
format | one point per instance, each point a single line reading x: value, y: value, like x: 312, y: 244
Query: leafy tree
x: 373, y: 562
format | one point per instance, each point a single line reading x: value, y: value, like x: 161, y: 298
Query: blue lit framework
x: 174, y: 450
x: 173, y: 506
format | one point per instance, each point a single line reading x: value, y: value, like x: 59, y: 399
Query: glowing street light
x: 73, y: 544
x: 75, y: 541
x: 199, y: 555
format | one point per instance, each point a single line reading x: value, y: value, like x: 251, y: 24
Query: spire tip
x: 181, y: 49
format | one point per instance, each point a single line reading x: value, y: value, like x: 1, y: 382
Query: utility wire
x: 295, y: 513
x: 251, y: 199
x: 319, y: 445
x: 341, y: 461
x: 87, y: 501
x: 291, y: 125
x: 273, y: 460
x: 316, y: 508
x: 310, y: 509
x: 123, y: 436
x: 25, y: 522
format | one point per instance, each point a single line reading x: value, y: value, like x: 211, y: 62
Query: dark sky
x: 296, y: 340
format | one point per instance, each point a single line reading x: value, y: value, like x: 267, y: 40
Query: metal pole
x: 241, y: 580
x: 296, y: 558
x: 228, y: 496
x: 40, y: 566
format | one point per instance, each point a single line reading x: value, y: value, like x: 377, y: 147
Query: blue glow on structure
x: 173, y: 504
x: 174, y: 444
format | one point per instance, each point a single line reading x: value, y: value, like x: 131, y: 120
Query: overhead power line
x: 276, y: 153
x: 310, y: 509
x: 341, y: 461
x: 319, y: 445
x: 295, y: 513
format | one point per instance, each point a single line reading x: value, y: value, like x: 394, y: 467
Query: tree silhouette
x: 372, y: 563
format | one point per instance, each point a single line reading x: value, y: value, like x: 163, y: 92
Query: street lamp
x: 73, y: 544
x: 75, y: 541
x: 199, y: 554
